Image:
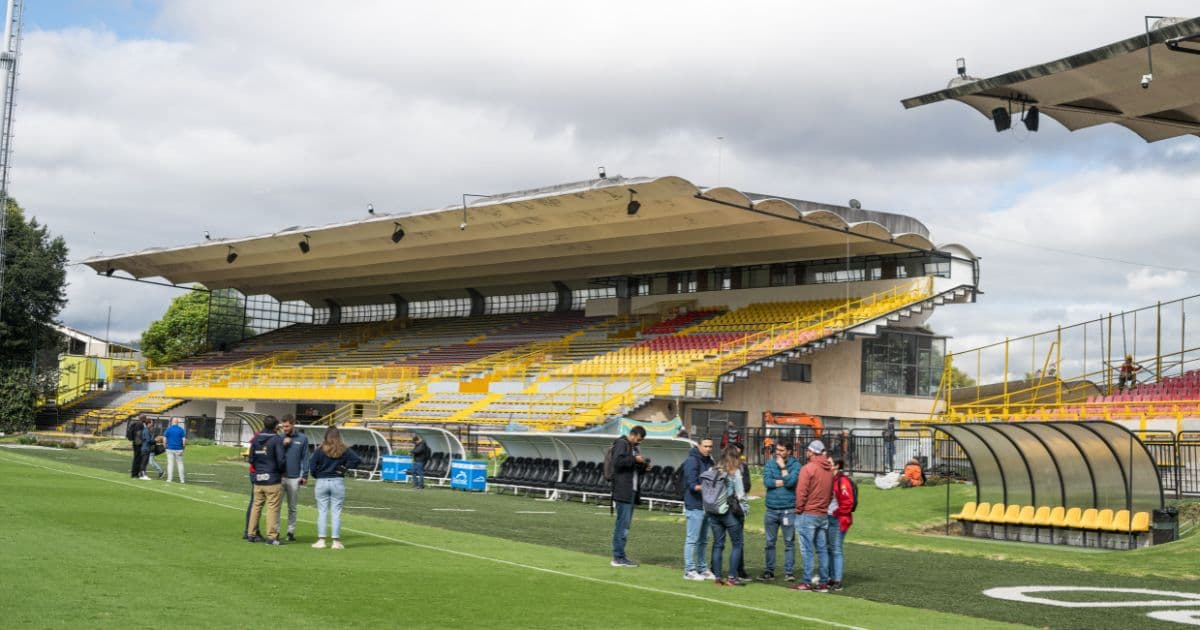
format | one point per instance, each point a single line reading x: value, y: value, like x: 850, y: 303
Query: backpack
x: 853, y: 491
x: 133, y: 429
x: 608, y: 462
x: 714, y: 492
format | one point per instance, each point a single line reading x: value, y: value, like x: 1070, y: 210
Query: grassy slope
x: 886, y: 569
x: 157, y: 555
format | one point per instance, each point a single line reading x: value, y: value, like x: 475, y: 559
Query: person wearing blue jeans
x: 721, y: 525
x: 814, y: 543
x: 329, y: 464
x: 814, y: 492
x: 728, y: 521
x: 628, y: 465
x: 695, y: 560
x: 780, y: 474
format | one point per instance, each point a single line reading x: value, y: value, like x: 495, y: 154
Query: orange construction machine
x: 792, y: 419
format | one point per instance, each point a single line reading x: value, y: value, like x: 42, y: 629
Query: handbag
x: 159, y: 449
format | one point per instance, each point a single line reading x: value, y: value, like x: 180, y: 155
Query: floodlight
x: 856, y: 204
x: 634, y: 205
x: 1031, y: 118
x: 1001, y: 119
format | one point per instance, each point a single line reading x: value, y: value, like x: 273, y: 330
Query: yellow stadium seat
x: 1120, y: 522
x: 1073, y: 517
x: 1027, y: 514
x: 1104, y: 520
x: 997, y: 514
x: 1011, y: 515
x: 966, y: 513
x: 1042, y: 517
x: 1058, y: 516
x: 1141, y: 522
x: 1088, y: 521
x: 982, y: 511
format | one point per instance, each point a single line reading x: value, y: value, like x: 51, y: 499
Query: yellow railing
x: 774, y: 339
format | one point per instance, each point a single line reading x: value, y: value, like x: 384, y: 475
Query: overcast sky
x: 145, y: 123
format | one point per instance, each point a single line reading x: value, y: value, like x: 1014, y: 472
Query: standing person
x: 267, y: 458
x: 841, y: 516
x: 420, y: 456
x: 814, y: 490
x: 134, y: 434
x: 695, y: 545
x: 148, y: 443
x: 730, y: 436
x: 728, y: 473
x: 848, y: 449
x: 330, y: 461
x: 295, y: 474
x: 176, y: 436
x: 889, y: 444
x: 627, y: 467
x: 779, y: 477
x: 744, y: 474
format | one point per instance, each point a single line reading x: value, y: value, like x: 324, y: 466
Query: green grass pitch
x: 84, y: 544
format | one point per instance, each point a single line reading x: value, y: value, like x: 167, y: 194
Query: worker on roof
x: 1127, y: 371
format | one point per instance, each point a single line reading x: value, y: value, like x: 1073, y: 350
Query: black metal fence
x: 1177, y: 457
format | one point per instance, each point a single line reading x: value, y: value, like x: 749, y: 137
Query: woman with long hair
x: 329, y: 463
x: 729, y: 472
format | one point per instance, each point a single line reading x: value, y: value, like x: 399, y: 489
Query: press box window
x: 799, y: 372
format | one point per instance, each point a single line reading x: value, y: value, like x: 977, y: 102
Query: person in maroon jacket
x: 814, y: 490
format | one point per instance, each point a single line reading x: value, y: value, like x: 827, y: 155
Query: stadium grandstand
x: 560, y: 308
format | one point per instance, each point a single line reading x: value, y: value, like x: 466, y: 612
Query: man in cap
x: 814, y: 490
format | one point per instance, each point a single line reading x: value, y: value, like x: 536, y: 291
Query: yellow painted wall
x: 347, y: 394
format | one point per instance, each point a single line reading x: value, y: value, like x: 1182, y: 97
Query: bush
x: 200, y: 442
x: 27, y: 439
x: 17, y: 400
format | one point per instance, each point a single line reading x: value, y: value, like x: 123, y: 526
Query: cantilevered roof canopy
x: 1101, y: 86
x: 527, y: 240
x: 1070, y: 464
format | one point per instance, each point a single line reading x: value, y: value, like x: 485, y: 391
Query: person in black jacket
x: 134, y: 431
x: 420, y: 456
x: 269, y: 460
x: 329, y: 463
x: 627, y: 466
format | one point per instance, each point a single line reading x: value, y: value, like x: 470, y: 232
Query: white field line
x: 465, y: 554
x: 451, y: 510
x: 532, y: 512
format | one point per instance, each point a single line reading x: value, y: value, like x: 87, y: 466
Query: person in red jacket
x: 814, y: 490
x: 841, y: 517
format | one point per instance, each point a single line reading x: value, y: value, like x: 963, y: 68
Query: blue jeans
x: 621, y: 528
x: 725, y: 523
x: 772, y: 521
x: 696, y: 542
x: 889, y: 454
x: 417, y: 472
x: 813, y: 533
x: 835, y: 549
x: 330, y: 494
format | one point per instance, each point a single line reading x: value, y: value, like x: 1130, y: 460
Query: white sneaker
x: 707, y: 575
x: 693, y: 576
x: 320, y: 544
x: 337, y: 544
x: 144, y: 478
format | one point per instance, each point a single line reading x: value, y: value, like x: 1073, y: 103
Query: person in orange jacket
x: 913, y: 475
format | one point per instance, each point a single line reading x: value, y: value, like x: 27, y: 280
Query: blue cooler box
x: 468, y: 475
x: 395, y: 467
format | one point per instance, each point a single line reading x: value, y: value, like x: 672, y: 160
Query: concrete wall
x: 834, y: 393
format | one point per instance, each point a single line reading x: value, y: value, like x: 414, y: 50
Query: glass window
x: 799, y: 372
x: 902, y: 363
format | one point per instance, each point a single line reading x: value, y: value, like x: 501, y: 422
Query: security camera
x: 1146, y: 79
x: 462, y: 226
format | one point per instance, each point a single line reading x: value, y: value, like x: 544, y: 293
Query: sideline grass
x: 885, y: 571
x: 107, y: 551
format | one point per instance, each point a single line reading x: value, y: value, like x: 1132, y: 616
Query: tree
x: 31, y: 296
x: 959, y: 378
x: 34, y: 291
x: 18, y: 400
x: 182, y: 331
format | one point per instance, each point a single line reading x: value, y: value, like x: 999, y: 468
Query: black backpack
x: 608, y: 461
x: 133, y: 429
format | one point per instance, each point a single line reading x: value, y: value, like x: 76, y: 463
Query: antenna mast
x: 10, y: 50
